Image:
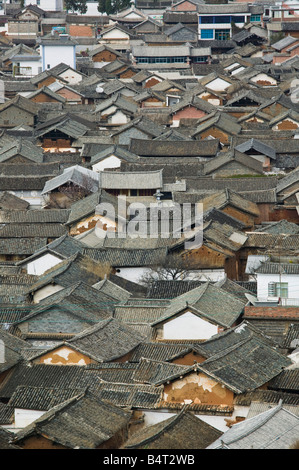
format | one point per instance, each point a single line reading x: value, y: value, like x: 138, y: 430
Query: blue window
x: 207, y: 34
x: 200, y: 60
x: 206, y: 19
x: 238, y: 19
x: 222, y: 19
x: 255, y: 18
x: 222, y: 34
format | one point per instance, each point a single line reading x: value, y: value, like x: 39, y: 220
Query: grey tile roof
x: 107, y: 340
x: 161, y: 289
x: 133, y: 180
x: 145, y: 125
x: 24, y: 148
x: 38, y: 230
x: 48, y: 92
x: 73, y: 269
x: 163, y: 352
x: 63, y: 247
x: 121, y: 153
x: 114, y: 372
x: 196, y: 186
x: 6, y: 418
x: 291, y: 340
x: 182, y: 431
x: 245, y: 366
x: 12, y: 287
x: 160, y: 51
x: 287, y: 181
x: 112, y: 290
x: 276, y: 428
x: 277, y: 268
x: 130, y: 395
x: 21, y: 103
x: 55, y: 216
x: 223, y: 235
x: 120, y: 257
x: 71, y: 125
x: 12, y: 312
x: 21, y: 245
x: 208, y: 301
x: 189, y: 100
x: 83, y: 422
x: 48, y: 170
x: 222, y: 9
x: 157, y: 372
x: 77, y: 175
x: 139, y: 314
x: 13, y: 347
x: 221, y: 122
x: 175, y: 148
x: 9, y: 201
x: 87, y: 206
x: 78, y: 294
x: 285, y: 381
x: 266, y: 396
x: 257, y: 145
x: 228, y: 197
x: 51, y: 376
x: 119, y: 102
x: 282, y: 226
x: 247, y: 163
x: 231, y: 338
x: 41, y: 398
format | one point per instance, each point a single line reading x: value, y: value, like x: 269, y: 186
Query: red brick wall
x: 271, y: 312
x: 43, y: 98
x: 104, y: 56
x: 69, y: 95
x: 81, y: 31
x: 189, y: 112
x: 184, y: 6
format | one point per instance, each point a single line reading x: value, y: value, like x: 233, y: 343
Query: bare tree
x: 173, y: 267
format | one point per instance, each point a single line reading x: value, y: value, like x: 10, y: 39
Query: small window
x: 207, y: 34
x: 278, y: 289
x: 238, y: 19
x: 222, y: 34
x: 255, y: 18
x: 206, y: 19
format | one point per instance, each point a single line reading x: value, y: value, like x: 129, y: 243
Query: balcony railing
x: 289, y: 302
x: 285, y: 302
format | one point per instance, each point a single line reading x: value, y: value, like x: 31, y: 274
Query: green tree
x: 76, y: 5
x: 102, y: 6
x: 112, y: 6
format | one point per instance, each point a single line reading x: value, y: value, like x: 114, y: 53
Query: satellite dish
x: 99, y: 89
x: 252, y: 299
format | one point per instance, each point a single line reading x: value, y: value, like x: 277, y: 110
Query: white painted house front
x: 45, y: 291
x: 27, y: 66
x: 188, y: 326
x: 110, y: 162
x: 54, y: 51
x: 185, y: 326
x: 47, y: 5
x: 215, y: 21
x: 41, y: 264
x: 278, y: 282
x: 218, y: 84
